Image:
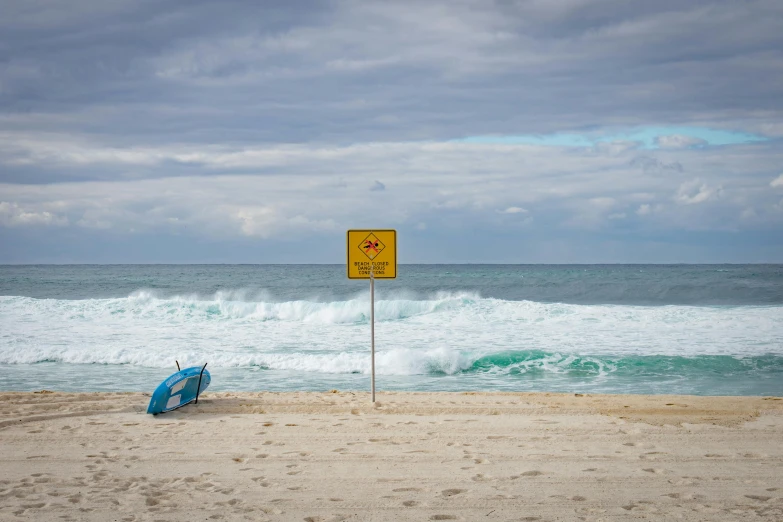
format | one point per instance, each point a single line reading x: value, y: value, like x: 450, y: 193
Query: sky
x: 541, y: 131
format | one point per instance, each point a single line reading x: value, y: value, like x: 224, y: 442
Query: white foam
x: 233, y: 305
x: 446, y: 333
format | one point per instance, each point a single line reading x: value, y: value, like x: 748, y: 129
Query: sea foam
x: 445, y: 334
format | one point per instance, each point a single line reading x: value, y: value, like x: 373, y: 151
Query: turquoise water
x: 707, y: 330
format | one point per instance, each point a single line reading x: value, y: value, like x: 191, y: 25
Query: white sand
x: 417, y: 456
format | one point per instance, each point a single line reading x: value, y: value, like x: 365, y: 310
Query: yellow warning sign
x: 372, y: 250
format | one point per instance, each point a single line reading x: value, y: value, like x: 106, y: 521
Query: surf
x: 448, y: 332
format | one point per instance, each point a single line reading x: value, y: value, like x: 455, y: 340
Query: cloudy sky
x: 542, y: 131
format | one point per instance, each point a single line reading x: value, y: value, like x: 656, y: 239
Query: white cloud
x: 678, y: 141
x: 514, y: 210
x: 591, y: 213
x: 777, y: 182
x: 12, y: 215
x: 295, y: 190
x: 256, y: 221
x: 615, y: 147
x: 695, y: 191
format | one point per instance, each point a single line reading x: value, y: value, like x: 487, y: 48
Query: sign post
x: 372, y: 254
x: 372, y: 332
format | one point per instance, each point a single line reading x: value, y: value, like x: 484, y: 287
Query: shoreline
x: 322, y: 457
x: 652, y: 409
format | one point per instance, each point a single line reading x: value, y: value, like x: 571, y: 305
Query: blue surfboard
x: 179, y: 389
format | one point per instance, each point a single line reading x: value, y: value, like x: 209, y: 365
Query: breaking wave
x: 446, y: 334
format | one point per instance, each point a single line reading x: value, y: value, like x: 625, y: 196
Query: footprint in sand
x: 443, y: 517
x: 760, y: 498
x: 410, y: 503
x: 684, y: 481
x: 451, y: 492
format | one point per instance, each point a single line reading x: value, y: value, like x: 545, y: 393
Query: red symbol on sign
x: 371, y: 246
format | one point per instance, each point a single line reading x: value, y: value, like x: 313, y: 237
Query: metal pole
x: 372, y: 328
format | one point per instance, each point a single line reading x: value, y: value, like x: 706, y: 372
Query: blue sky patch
x: 646, y: 136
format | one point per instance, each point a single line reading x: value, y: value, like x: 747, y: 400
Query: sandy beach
x: 413, y: 456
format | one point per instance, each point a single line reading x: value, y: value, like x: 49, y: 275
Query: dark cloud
x: 298, y: 72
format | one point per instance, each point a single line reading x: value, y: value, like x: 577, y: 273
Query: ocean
x: 640, y: 329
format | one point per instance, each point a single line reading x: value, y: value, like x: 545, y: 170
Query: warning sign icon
x: 371, y: 246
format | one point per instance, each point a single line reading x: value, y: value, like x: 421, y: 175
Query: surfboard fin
x: 198, y: 388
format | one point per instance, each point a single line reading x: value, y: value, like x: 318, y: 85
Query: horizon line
x: 406, y: 264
